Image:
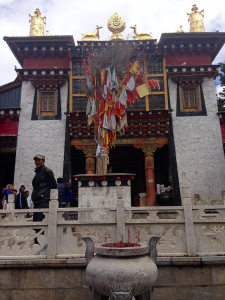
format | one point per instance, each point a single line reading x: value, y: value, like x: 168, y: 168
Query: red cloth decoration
x: 139, y: 78
x: 153, y: 83
x: 131, y: 96
x: 86, y: 67
x: 102, y: 109
x: 119, y: 110
x: 126, y: 79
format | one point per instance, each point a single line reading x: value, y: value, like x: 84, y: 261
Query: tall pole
x: 150, y: 179
x: 90, y: 164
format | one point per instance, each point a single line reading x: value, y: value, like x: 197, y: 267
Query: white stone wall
x: 98, y: 197
x: 39, y: 136
x: 199, y: 150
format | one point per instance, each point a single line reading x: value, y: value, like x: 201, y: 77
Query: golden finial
x: 180, y: 30
x: 116, y: 25
x: 141, y: 35
x: 37, y: 23
x: 91, y: 36
x: 196, y: 19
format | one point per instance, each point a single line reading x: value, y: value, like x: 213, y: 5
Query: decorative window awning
x: 44, y: 78
x: 183, y: 74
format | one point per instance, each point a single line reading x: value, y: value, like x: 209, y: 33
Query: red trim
x: 174, y: 60
x: 9, y: 127
x: 41, y: 62
x: 222, y: 126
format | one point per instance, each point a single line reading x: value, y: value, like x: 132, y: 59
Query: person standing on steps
x: 43, y: 182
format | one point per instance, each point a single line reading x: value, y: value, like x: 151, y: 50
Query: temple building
x: 139, y: 106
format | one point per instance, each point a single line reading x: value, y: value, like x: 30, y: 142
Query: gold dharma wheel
x: 116, y: 25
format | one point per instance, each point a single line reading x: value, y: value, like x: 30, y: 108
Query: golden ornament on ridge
x: 141, y: 35
x: 37, y: 23
x: 196, y: 19
x: 180, y: 30
x: 91, y: 36
x: 116, y: 25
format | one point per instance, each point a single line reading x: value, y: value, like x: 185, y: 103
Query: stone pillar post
x: 90, y: 164
x: 52, y: 225
x: 11, y: 206
x: 150, y: 179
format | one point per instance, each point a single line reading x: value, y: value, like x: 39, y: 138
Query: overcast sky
x: 73, y: 17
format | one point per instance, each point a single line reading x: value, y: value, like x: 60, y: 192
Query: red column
x: 90, y: 164
x: 150, y: 179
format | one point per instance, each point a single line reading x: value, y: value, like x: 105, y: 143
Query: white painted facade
x: 199, y: 149
x: 46, y: 137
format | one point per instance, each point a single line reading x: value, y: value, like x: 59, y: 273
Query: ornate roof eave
x: 149, y: 46
x: 187, y: 74
x: 12, y: 113
x: 18, y: 44
x: 44, y: 78
x: 117, y: 42
x: 141, y: 124
x: 212, y: 41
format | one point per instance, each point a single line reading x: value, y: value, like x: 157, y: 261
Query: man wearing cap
x: 43, y: 182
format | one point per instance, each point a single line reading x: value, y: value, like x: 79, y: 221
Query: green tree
x: 221, y: 96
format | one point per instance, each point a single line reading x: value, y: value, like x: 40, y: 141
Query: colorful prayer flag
x: 135, y: 68
x: 143, y: 90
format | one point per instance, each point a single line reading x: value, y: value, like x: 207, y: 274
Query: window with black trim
x: 190, y: 100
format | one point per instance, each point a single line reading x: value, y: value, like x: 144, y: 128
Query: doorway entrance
x: 7, y: 166
x: 127, y: 159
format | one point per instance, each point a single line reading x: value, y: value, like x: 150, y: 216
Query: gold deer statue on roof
x: 91, y: 36
x: 180, y: 30
x: 139, y: 35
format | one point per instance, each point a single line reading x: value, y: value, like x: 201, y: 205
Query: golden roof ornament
x: 196, y: 19
x: 48, y: 34
x: 116, y: 25
x: 180, y: 30
x: 141, y: 35
x: 37, y: 23
x: 91, y: 36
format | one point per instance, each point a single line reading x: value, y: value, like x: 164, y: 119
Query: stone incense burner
x: 121, y: 273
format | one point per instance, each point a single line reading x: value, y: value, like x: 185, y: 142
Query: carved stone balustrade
x: 188, y: 230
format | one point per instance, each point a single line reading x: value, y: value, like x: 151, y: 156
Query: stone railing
x: 185, y: 230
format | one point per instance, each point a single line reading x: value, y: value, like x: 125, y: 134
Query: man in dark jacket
x: 62, y: 192
x: 43, y: 182
x: 20, y: 200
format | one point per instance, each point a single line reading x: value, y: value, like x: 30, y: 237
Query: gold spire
x: 196, y: 19
x: 37, y: 23
x: 116, y: 25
